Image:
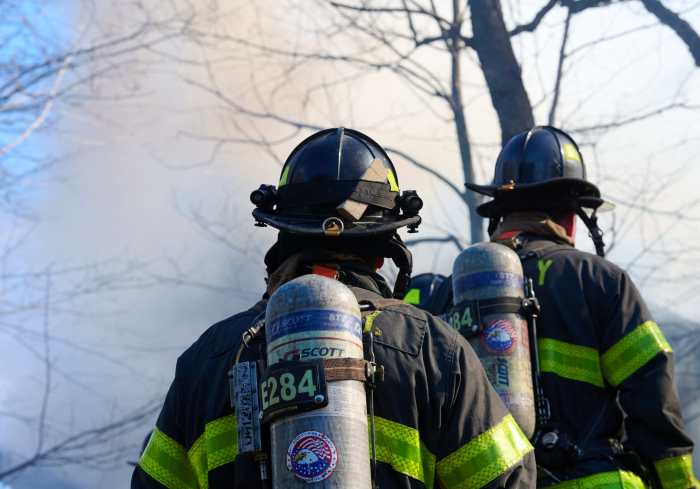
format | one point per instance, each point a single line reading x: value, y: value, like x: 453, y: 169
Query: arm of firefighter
x: 165, y: 463
x: 482, y: 445
x: 638, y: 361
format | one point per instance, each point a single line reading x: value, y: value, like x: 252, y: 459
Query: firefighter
x: 439, y: 424
x: 606, y: 368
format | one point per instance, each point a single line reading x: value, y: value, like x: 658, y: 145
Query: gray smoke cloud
x: 170, y: 230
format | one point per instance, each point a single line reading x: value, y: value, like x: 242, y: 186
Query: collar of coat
x: 353, y: 271
x: 530, y: 223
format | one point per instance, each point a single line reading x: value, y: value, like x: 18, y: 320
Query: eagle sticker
x: 312, y: 456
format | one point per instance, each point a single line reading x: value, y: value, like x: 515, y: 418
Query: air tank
x: 486, y: 271
x: 314, y: 317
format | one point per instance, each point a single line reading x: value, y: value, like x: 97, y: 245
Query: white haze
x: 128, y: 192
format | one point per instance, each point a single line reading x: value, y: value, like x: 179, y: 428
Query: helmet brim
x: 576, y: 186
x: 314, y: 227
x: 564, y: 193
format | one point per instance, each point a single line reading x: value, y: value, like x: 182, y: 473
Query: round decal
x: 312, y: 456
x: 499, y: 337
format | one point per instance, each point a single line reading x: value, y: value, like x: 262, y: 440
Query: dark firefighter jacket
x: 438, y: 421
x: 601, y: 355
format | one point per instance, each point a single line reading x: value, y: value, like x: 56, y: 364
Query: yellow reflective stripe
x: 676, y: 472
x: 284, y: 177
x: 412, y: 297
x: 166, y: 461
x: 570, y: 152
x: 400, y: 446
x: 221, y: 441
x: 197, y: 454
x: 633, y: 351
x: 616, y: 479
x: 391, y: 178
x: 570, y: 361
x: 369, y: 320
x: 485, y: 457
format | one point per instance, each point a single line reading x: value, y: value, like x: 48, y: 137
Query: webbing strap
x: 616, y: 479
x: 633, y: 351
x: 570, y: 361
x: 166, y: 461
x: 401, y: 447
x: 484, y: 458
x: 676, y: 472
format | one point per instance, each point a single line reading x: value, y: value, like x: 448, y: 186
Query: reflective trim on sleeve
x: 484, y: 458
x: 221, y: 441
x: 616, y: 479
x: 166, y: 461
x: 198, y: 459
x: 400, y: 446
x: 412, y: 297
x: 633, y: 351
x: 570, y: 361
x: 676, y: 472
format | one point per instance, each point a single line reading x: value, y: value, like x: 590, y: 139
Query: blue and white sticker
x: 313, y: 320
x: 491, y: 278
x: 312, y: 456
x: 499, y: 337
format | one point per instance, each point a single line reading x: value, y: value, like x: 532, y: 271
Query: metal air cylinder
x: 314, y: 317
x: 486, y: 271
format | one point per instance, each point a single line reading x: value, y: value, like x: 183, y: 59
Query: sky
x: 166, y: 214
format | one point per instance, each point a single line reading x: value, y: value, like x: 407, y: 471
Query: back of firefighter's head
x: 541, y: 170
x: 338, y: 191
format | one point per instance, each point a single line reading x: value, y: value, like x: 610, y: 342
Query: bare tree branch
x: 632, y: 119
x: 535, y: 22
x: 560, y: 67
x: 674, y: 21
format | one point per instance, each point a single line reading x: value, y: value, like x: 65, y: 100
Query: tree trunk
x: 476, y: 225
x: 503, y: 77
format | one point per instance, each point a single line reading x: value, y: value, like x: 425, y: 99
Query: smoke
x: 145, y: 235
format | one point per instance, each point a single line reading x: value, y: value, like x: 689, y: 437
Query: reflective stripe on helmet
x: 633, y: 351
x: 616, y: 479
x: 484, y: 458
x: 284, y: 177
x: 401, y: 447
x: 570, y: 361
x: 391, y: 178
x: 676, y: 472
x: 166, y: 461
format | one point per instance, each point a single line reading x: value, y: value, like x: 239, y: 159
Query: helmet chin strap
x: 402, y: 257
x: 493, y: 224
x: 594, y: 231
